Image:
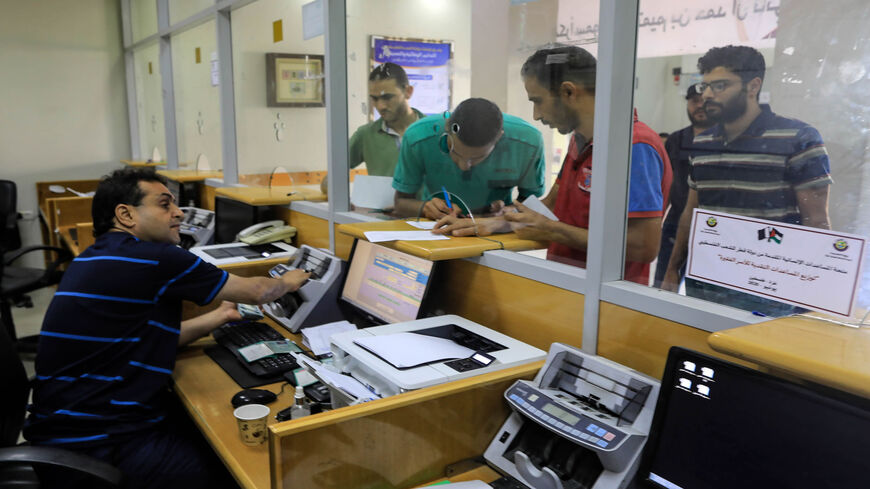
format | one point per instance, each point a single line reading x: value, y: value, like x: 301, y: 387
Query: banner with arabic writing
x: 677, y: 27
x: 427, y: 64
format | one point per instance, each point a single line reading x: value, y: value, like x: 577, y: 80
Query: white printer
x: 400, y: 357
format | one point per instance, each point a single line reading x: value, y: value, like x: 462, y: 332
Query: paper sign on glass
x: 808, y: 267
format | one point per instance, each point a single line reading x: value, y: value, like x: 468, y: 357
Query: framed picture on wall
x: 294, y: 80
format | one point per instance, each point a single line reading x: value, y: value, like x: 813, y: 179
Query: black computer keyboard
x: 233, y: 336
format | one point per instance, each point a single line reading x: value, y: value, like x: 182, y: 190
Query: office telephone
x: 266, y: 232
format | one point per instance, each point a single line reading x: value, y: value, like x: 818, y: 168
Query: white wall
x: 448, y: 20
x: 62, y: 93
x: 304, y: 134
x: 149, y: 100
x: 197, y: 102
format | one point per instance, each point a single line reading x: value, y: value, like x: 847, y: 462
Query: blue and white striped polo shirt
x: 757, y: 173
x: 109, y: 340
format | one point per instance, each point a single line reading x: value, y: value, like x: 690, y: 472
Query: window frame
x: 600, y: 282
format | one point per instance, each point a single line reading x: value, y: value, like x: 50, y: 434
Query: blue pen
x: 446, y: 197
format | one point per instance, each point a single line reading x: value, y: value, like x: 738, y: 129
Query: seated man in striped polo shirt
x: 110, y: 335
x: 752, y: 162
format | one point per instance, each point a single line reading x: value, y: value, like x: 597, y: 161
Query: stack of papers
x: 378, y: 236
x: 407, y: 350
x: 317, y: 337
x: 345, y: 383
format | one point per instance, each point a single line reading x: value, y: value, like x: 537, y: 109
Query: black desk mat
x: 234, y: 369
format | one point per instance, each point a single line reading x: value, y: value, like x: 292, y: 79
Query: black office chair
x: 16, y: 280
x: 17, y: 462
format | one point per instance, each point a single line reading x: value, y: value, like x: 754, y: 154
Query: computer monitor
x: 231, y: 216
x: 719, y: 425
x: 386, y: 285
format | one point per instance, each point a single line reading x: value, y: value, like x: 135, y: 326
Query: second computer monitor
x: 385, y: 283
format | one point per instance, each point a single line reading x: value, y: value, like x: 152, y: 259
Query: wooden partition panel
x: 641, y: 341
x: 85, y: 235
x: 206, y: 196
x: 532, y: 312
x: 66, y: 211
x: 394, y: 443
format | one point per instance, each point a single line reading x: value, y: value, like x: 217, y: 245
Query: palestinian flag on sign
x: 770, y: 234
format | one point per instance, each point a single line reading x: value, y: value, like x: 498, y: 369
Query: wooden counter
x: 143, y: 163
x: 273, y: 195
x: 187, y: 176
x: 441, y: 249
x: 804, y: 347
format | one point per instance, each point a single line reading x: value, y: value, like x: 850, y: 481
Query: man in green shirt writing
x: 377, y: 143
x: 474, y: 158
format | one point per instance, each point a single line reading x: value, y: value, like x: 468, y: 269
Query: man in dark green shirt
x: 377, y: 143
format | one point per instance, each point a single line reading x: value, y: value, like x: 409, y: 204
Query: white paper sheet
x: 379, y: 236
x: 346, y: 383
x: 536, y: 205
x: 317, y: 337
x: 422, y: 224
x: 372, y: 192
x: 404, y: 350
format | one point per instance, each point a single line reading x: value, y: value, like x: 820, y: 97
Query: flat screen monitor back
x: 719, y: 425
x: 231, y: 216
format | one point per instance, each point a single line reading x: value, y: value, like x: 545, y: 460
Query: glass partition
x: 143, y: 18
x: 149, y: 101
x: 773, y: 129
x: 197, y: 102
x: 280, y: 113
x: 449, y: 52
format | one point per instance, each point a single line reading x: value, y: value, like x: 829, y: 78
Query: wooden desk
x: 401, y: 441
x: 143, y: 163
x: 821, y: 352
x: 273, y: 195
x: 205, y: 390
x: 441, y: 249
x: 188, y: 176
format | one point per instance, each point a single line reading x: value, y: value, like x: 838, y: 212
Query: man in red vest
x: 560, y: 83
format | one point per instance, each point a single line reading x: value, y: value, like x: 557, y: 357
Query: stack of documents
x: 407, y: 350
x: 317, y: 337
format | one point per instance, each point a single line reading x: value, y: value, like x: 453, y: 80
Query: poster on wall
x: 427, y: 64
x: 677, y: 27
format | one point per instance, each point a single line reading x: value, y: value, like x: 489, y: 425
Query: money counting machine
x: 581, y: 423
x: 315, y: 302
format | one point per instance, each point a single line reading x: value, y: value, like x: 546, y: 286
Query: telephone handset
x: 266, y: 232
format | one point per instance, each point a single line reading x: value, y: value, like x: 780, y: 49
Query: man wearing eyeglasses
x: 467, y: 162
x: 752, y: 162
x: 560, y: 83
x: 377, y: 143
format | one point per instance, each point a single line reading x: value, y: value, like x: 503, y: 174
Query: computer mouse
x: 253, y: 396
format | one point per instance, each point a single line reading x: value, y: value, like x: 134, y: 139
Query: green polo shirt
x: 378, y: 146
x: 516, y: 161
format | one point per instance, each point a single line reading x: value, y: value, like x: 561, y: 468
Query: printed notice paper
x: 807, y: 267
